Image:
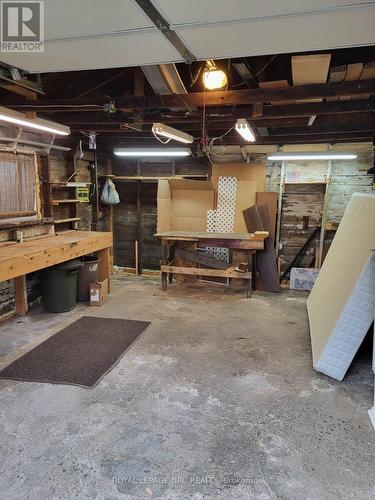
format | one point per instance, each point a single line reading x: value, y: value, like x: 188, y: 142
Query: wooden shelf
x: 62, y: 202
x: 62, y: 221
x: 70, y: 183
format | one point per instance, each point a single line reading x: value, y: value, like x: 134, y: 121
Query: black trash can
x: 87, y: 274
x: 59, y: 286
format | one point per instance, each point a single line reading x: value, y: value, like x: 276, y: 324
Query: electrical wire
x: 186, y: 104
x: 266, y: 65
x: 212, y: 155
x: 160, y: 140
x: 58, y: 106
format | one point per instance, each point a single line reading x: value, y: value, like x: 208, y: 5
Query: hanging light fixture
x: 244, y: 129
x: 171, y: 133
x: 214, y: 78
x: 16, y: 118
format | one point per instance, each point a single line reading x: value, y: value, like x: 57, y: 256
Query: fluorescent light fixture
x: 324, y: 155
x: 11, y: 116
x: 244, y: 129
x: 171, y: 133
x: 148, y: 152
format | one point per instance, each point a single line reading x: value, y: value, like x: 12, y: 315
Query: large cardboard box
x: 182, y: 204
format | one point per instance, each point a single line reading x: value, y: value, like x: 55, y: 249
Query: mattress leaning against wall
x: 342, y: 301
x: 372, y: 411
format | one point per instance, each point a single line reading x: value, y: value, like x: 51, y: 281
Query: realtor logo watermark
x: 22, y: 26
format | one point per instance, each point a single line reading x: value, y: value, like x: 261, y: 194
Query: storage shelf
x: 61, y: 221
x: 61, y: 202
x: 69, y: 184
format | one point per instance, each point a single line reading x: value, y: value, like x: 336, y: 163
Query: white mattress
x: 372, y: 411
x: 351, y: 327
x: 342, y: 302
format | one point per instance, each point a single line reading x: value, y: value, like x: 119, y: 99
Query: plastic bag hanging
x: 109, y: 194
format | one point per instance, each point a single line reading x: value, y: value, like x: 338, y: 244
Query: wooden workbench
x: 19, y: 259
x: 174, y: 241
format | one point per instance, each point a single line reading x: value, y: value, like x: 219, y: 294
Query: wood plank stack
x: 257, y: 218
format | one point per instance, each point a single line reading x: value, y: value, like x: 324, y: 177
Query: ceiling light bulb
x: 244, y: 129
x: 214, y: 79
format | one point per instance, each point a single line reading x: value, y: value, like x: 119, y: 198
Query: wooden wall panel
x: 136, y: 222
x: 184, y: 167
x: 301, y: 214
x: 125, y: 224
x: 150, y: 250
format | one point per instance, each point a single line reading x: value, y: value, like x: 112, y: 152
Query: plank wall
x: 308, y: 178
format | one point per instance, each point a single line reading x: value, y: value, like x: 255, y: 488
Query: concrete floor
x: 217, y: 399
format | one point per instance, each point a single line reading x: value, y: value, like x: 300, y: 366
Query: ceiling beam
x: 305, y: 132
x: 319, y: 108
x: 224, y: 98
x: 237, y: 141
x: 212, y: 124
x: 339, y: 129
x: 250, y: 96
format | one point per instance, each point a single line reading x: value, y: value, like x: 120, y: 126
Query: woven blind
x: 17, y: 185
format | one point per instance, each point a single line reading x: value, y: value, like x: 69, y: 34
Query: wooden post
x: 110, y: 217
x: 249, y: 289
x: 136, y: 257
x: 95, y: 195
x: 138, y: 263
x: 21, y: 295
x: 324, y: 214
x: 171, y: 258
x: 164, y: 262
x: 280, y: 207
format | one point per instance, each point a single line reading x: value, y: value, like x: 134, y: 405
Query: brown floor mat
x: 80, y: 354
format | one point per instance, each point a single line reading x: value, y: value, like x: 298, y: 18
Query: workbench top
x: 22, y: 258
x: 211, y: 236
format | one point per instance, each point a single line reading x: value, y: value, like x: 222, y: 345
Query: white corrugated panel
x: 95, y: 53
x: 210, y: 11
x: 343, y: 28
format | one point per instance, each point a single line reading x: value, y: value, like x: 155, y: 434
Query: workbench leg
x: 104, y: 265
x: 249, y: 289
x: 171, y: 262
x: 21, y: 295
x: 164, y: 262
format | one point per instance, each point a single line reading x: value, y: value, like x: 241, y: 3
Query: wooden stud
x: 21, y: 295
x: 324, y: 213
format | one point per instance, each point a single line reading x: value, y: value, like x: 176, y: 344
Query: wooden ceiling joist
x: 224, y: 98
x: 117, y: 141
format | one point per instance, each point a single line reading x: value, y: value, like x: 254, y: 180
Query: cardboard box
x: 98, y: 292
x: 182, y: 204
x: 303, y: 278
